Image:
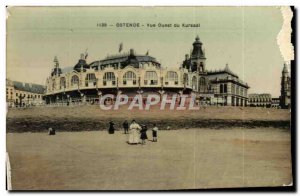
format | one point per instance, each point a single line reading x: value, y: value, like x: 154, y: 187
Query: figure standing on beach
x: 111, y: 129
x: 134, y: 133
x: 144, y: 134
x: 125, y: 126
x: 51, y: 131
x: 154, y: 133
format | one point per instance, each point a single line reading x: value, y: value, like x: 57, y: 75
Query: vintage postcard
x: 149, y: 98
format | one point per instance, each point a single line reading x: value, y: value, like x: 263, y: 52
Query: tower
x: 56, y: 71
x: 285, y: 93
x: 198, y: 56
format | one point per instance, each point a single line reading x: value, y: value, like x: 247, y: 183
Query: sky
x: 243, y: 37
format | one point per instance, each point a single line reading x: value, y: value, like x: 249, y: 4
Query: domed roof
x: 56, y: 70
x: 81, y: 65
x: 124, y: 60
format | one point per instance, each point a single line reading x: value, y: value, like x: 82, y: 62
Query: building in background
x: 266, y: 100
x: 260, y: 100
x: 20, y: 94
x: 219, y: 87
x: 131, y: 73
x: 226, y: 85
x: 275, y: 103
x: 285, y: 93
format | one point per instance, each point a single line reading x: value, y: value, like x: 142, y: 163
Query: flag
x: 121, y: 47
x: 86, y: 54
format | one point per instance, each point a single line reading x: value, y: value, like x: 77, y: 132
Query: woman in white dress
x: 134, y: 133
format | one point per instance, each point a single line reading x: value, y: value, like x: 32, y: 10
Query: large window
x: 237, y: 90
x: 232, y: 89
x: 151, y: 78
x: 109, y: 77
x: 186, y: 79
x: 62, y: 82
x: 201, y: 67
x: 202, y: 81
x: 75, y: 80
x: 221, y: 88
x: 194, y: 83
x: 90, y: 79
x: 202, y: 85
x: 129, y: 77
x: 225, y: 88
x: 172, y: 76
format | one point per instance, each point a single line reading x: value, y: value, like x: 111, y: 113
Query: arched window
x: 75, y: 80
x: 151, y: 78
x: 194, y: 83
x: 172, y: 76
x: 62, y: 82
x: 202, y: 81
x: 109, y: 77
x: 201, y: 67
x: 90, y: 79
x: 221, y: 88
x: 129, y: 76
x: 202, y: 85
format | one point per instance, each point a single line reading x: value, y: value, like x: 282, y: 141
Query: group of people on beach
x: 136, y: 132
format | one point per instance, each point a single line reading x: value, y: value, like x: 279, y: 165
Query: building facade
x: 275, y: 103
x: 285, y: 92
x: 260, y: 100
x: 19, y: 94
x: 131, y: 73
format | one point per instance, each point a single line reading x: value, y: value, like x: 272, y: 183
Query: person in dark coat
x: 111, y: 129
x: 144, y: 136
x: 125, y: 126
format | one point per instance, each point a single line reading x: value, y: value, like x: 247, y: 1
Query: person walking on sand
x: 111, y: 129
x: 134, y: 133
x: 125, y: 126
x: 144, y: 134
x: 154, y: 133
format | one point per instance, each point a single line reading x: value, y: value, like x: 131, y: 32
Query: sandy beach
x: 181, y: 159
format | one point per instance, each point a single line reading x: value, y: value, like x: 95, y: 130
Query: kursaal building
x: 133, y: 74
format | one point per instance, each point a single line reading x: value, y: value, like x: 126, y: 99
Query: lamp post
x: 68, y: 99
